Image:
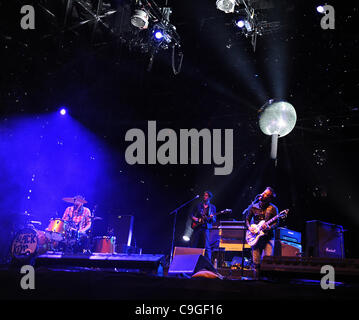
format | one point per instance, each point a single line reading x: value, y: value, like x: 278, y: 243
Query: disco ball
x: 277, y: 118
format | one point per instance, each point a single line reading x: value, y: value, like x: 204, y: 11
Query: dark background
x: 108, y: 90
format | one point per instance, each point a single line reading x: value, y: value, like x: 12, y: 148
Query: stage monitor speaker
x: 189, y: 264
x: 186, y: 250
x: 324, y: 240
x: 286, y: 249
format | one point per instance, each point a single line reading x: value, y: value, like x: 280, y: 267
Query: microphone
x: 256, y: 197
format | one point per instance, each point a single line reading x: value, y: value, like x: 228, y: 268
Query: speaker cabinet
x: 189, y: 261
x: 286, y: 249
x: 180, y: 251
x: 324, y: 240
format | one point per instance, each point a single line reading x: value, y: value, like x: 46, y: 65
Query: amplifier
x: 285, y: 234
x: 286, y: 249
x: 324, y: 239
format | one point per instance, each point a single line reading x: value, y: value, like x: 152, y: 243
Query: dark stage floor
x: 90, y: 283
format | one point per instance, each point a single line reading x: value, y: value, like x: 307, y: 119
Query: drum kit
x: 59, y: 236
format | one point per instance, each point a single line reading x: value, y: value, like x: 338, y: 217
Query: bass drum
x: 29, y: 242
x: 104, y: 244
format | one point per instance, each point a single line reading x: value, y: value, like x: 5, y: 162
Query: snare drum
x: 104, y: 244
x: 29, y: 242
x: 56, y: 230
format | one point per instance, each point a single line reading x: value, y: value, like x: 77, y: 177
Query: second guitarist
x: 263, y: 209
x: 202, y: 214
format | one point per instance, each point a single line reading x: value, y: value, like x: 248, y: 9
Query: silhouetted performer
x: 202, y: 219
x: 262, y: 209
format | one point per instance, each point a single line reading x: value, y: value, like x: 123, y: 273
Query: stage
x: 150, y: 150
x: 145, y: 278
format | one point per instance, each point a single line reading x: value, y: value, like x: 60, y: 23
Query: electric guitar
x: 253, y: 237
x: 204, y: 218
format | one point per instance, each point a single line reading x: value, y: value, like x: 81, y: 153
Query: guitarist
x: 202, y: 216
x: 262, y: 209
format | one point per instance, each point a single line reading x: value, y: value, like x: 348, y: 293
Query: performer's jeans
x: 264, y: 247
x: 200, y: 239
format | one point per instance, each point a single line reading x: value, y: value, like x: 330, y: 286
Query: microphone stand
x: 174, y: 212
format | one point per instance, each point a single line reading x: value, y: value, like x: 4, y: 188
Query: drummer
x: 79, y: 216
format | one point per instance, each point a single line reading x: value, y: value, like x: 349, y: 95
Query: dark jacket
x: 198, y: 213
x: 257, y: 214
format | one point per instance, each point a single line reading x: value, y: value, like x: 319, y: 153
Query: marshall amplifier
x: 324, y: 240
x: 285, y: 234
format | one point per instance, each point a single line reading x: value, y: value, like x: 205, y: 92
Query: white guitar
x: 258, y: 229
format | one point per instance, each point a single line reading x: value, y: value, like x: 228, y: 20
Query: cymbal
x: 72, y: 200
x: 36, y: 222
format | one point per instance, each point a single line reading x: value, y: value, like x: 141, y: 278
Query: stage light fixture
x: 186, y: 238
x: 63, y: 111
x: 240, y: 23
x: 320, y: 9
x: 140, y: 19
x: 226, y: 6
x: 158, y: 34
x: 161, y: 35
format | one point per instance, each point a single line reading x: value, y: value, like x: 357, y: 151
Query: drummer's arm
x: 87, y: 222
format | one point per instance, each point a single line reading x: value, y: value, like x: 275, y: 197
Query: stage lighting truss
x: 161, y: 34
x: 155, y: 32
x: 247, y: 19
x: 130, y: 22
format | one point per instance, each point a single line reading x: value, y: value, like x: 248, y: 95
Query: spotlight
x: 140, y: 19
x: 186, y: 238
x: 161, y: 34
x: 226, y: 6
x: 240, y: 23
x: 158, y: 34
x: 320, y: 9
x: 63, y: 111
